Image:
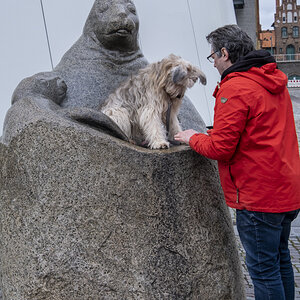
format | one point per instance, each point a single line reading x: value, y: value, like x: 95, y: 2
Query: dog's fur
x: 141, y: 102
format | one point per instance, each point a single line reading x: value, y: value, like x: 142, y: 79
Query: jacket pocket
x: 231, y: 191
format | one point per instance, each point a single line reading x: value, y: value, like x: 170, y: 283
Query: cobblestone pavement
x: 295, y: 95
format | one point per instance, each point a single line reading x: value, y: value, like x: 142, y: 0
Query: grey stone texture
x: 86, y: 215
x: 104, y: 56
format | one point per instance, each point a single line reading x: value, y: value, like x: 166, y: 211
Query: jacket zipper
x: 237, y: 190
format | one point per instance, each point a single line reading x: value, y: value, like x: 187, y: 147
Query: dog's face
x: 177, y: 74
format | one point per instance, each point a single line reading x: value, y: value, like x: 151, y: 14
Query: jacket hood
x: 260, y: 67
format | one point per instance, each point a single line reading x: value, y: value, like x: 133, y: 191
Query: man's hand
x: 184, y: 136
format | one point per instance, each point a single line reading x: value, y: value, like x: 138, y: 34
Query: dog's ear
x: 202, y: 77
x: 178, y: 73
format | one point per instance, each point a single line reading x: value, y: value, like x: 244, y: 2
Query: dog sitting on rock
x: 141, y: 103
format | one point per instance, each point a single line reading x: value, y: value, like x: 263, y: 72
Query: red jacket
x: 254, y: 140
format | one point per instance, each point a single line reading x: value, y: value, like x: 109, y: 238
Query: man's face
x: 221, y: 63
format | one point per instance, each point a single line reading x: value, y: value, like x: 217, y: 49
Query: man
x: 254, y: 140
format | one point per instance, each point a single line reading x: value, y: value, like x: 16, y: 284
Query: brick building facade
x: 287, y: 25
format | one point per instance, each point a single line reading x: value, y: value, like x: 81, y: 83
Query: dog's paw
x: 132, y: 141
x: 159, y: 145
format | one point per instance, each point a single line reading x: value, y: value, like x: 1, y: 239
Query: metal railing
x: 293, y: 83
x: 287, y: 57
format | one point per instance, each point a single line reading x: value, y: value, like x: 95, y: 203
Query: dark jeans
x: 265, y: 239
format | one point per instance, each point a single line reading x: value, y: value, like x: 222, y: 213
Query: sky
x: 267, y: 11
x: 165, y: 27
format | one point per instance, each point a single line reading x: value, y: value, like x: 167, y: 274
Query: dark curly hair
x: 234, y: 39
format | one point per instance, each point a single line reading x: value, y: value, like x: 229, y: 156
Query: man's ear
x: 225, y: 53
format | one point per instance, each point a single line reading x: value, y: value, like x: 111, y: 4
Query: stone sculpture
x: 104, y: 56
x: 87, y: 215
x: 45, y: 84
x: 45, y: 92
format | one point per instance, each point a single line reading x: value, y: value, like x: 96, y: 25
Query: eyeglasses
x: 210, y: 58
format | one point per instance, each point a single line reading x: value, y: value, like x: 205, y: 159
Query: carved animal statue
x: 104, y: 56
x: 141, y: 103
x: 45, y: 84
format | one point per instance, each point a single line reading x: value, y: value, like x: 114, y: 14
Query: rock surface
x: 87, y: 216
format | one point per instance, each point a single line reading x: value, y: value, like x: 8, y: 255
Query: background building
x: 267, y: 41
x: 247, y: 18
x: 286, y: 24
x: 283, y: 41
x: 287, y: 38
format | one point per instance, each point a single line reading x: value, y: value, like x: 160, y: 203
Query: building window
x: 280, y: 50
x: 284, y: 32
x: 283, y: 18
x: 290, y: 52
x: 295, y: 31
x: 295, y: 17
x: 294, y: 77
x: 289, y: 7
x: 289, y: 17
x: 238, y: 4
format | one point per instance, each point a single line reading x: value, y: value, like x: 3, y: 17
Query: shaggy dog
x: 141, y: 103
